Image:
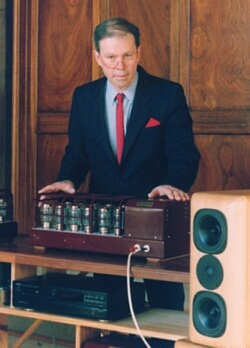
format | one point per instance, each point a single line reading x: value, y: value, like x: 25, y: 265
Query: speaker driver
x: 210, y: 231
x: 209, y: 314
x: 209, y: 272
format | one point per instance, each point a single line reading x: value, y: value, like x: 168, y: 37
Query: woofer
x: 209, y: 314
x: 210, y: 231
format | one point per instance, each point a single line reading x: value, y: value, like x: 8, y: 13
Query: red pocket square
x: 152, y: 123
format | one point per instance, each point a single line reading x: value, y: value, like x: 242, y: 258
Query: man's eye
x: 128, y: 55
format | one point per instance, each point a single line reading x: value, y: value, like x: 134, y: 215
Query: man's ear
x: 139, y: 48
x: 97, y: 57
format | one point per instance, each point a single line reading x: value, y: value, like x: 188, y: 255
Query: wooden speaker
x: 220, y: 269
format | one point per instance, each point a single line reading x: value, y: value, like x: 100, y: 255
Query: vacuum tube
x: 75, y: 218
x: 46, y: 214
x: 3, y: 209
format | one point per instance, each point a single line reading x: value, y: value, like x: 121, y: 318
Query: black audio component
x: 78, y: 295
x: 8, y: 227
x: 5, y: 279
x: 5, y: 271
x: 113, y: 225
x: 8, y: 231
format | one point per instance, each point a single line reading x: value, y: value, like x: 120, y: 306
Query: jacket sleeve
x: 179, y: 146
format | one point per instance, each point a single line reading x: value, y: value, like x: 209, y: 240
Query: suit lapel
x: 138, y: 118
x: 99, y: 124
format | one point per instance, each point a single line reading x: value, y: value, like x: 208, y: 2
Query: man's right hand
x: 66, y: 186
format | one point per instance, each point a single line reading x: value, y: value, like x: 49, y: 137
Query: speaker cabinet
x: 185, y: 343
x: 219, y: 269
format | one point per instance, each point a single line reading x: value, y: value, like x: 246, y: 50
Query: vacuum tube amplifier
x: 112, y: 224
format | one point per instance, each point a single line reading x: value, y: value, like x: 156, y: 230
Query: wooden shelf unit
x: 157, y: 323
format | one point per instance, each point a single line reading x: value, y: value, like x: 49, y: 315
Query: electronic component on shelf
x: 8, y: 227
x: 77, y: 295
x: 112, y: 224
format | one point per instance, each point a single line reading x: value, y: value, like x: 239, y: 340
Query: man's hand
x: 169, y: 191
x: 66, y: 186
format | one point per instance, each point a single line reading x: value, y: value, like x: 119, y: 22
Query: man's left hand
x: 169, y: 191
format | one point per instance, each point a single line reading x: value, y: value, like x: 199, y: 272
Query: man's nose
x: 120, y: 63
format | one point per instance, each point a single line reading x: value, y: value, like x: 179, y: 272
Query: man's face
x: 118, y: 58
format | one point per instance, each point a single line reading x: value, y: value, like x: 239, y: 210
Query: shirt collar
x: 111, y: 92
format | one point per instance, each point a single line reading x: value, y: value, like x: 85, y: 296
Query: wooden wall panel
x: 51, y: 149
x: 224, y: 162
x: 219, y: 78
x: 153, y: 20
x: 219, y: 87
x: 220, y: 61
x: 64, y: 62
x: 65, y: 51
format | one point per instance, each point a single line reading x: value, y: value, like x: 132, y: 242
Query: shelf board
x: 157, y: 323
x: 175, y: 269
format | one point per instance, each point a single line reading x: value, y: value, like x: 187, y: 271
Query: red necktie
x: 119, y: 126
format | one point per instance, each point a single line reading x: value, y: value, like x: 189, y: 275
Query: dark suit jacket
x: 159, y: 146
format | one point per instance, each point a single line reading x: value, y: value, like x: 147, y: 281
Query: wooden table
x: 158, y: 323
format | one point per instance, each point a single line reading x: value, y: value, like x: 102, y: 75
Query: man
x: 159, y: 157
